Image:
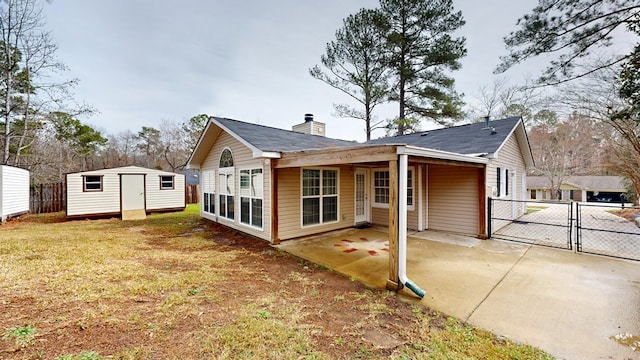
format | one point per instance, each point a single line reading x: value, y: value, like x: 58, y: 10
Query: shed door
x: 132, y: 196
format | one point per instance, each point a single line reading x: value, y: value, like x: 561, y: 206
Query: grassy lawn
x: 174, y: 286
x: 535, y: 208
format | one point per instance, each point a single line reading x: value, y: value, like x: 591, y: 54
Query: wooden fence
x: 47, y: 198
x: 191, y: 194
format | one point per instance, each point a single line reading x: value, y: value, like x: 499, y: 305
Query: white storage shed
x: 130, y: 192
x: 14, y: 192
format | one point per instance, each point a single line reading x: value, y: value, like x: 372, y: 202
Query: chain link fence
x: 595, y: 228
x: 541, y: 223
x: 611, y: 230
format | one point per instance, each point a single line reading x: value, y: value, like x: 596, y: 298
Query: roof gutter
x: 439, y: 154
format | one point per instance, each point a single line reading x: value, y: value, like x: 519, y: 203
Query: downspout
x: 403, y: 164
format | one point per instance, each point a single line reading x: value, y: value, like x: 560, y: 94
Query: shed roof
x: 124, y: 170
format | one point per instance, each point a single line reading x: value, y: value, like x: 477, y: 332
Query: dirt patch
x: 173, y: 301
x: 628, y: 214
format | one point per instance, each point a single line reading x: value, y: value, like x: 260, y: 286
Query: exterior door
x: 362, y: 195
x: 132, y: 196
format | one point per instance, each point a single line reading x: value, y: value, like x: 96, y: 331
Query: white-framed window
x: 167, y: 182
x: 208, y: 183
x: 502, y: 181
x: 226, y: 199
x: 251, y: 196
x: 92, y: 183
x: 226, y: 185
x: 381, y: 188
x: 319, y: 196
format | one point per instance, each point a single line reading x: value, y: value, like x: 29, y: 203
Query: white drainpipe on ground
x: 403, y: 165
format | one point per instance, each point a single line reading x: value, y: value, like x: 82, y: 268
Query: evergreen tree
x: 356, y: 63
x: 422, y: 51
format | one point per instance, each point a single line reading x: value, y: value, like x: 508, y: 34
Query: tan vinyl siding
x: 289, y: 203
x: 242, y: 159
x: 80, y: 202
x: 453, y: 199
x: 164, y: 199
x: 509, y: 157
x: 380, y: 216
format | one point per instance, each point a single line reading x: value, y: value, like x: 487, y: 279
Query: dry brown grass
x: 176, y: 287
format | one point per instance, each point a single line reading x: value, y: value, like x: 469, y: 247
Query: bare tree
x: 27, y: 58
x: 565, y: 148
x: 503, y: 99
x: 176, y: 145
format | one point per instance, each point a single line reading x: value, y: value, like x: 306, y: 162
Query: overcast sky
x: 140, y: 62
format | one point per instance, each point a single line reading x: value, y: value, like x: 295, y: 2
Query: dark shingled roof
x: 589, y: 182
x: 267, y: 138
x: 463, y: 139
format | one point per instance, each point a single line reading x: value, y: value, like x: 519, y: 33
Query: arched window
x: 226, y: 159
x: 226, y: 186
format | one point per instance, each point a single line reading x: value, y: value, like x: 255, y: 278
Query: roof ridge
x: 450, y: 127
x: 268, y: 127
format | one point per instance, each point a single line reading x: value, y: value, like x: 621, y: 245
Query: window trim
x: 84, y: 183
x: 320, y: 196
x: 220, y: 158
x: 173, y: 182
x: 502, y: 182
x: 251, y: 197
x: 208, y: 191
x: 375, y: 204
x: 231, y: 193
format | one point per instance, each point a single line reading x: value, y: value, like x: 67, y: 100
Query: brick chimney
x: 309, y: 126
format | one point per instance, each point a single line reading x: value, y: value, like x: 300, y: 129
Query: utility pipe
x: 403, y: 165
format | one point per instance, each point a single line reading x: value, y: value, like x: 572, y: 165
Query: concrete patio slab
x: 571, y: 305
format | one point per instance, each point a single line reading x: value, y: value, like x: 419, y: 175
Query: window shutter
x: 498, y: 181
x: 506, y: 181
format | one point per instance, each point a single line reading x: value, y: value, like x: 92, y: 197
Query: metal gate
x: 552, y: 227
x: 608, y: 229
x: 594, y: 228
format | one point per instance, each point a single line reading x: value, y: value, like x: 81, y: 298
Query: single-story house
x: 278, y: 185
x: 130, y: 192
x: 591, y: 188
x: 14, y: 192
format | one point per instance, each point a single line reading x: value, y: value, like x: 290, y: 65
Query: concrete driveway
x: 570, y: 305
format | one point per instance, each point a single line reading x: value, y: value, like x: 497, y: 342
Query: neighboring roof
x: 587, y: 182
x: 464, y: 139
x: 268, y: 138
x: 192, y: 177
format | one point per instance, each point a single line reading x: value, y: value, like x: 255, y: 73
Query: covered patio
x: 571, y: 305
x: 414, y: 188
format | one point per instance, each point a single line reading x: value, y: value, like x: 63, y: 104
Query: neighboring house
x: 579, y: 188
x: 130, y: 192
x: 192, y: 177
x: 14, y: 192
x: 277, y: 184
